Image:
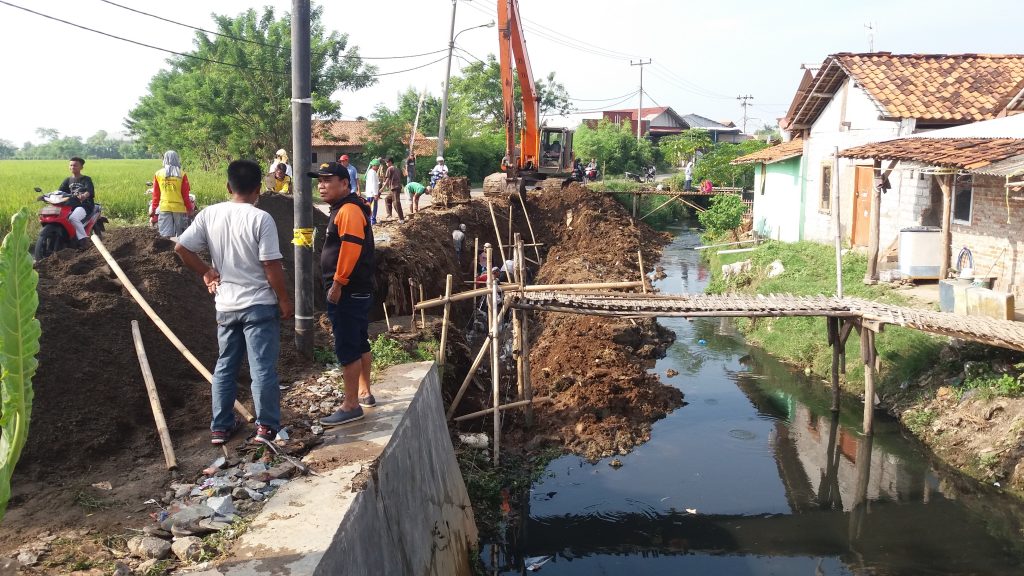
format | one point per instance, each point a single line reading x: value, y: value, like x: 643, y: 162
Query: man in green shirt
x: 414, y: 190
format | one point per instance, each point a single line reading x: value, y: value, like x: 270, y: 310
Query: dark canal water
x: 755, y: 476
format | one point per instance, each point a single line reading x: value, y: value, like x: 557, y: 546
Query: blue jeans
x: 256, y: 330
x: 350, y: 319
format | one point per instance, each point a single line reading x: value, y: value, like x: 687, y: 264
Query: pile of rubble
x: 451, y: 190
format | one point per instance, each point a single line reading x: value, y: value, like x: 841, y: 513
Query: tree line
x: 55, y: 146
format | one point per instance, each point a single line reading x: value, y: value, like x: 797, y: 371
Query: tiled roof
x: 644, y: 112
x: 962, y: 153
x: 938, y: 87
x: 357, y: 133
x: 776, y: 153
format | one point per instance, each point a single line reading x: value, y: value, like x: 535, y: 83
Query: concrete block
x: 986, y: 302
x: 959, y: 296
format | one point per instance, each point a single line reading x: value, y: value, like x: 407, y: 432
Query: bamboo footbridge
x: 1001, y: 333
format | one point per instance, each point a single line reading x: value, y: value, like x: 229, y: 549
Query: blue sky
x: 703, y: 54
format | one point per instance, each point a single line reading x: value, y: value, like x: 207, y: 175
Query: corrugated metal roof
x: 963, y: 153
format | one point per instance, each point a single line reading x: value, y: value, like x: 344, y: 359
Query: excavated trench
x: 91, y: 419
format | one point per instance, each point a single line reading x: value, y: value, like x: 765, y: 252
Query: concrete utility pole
x: 447, y: 79
x: 744, y: 102
x: 302, y: 107
x: 640, y: 106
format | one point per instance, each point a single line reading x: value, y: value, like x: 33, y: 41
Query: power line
x: 201, y: 58
x: 648, y: 94
x: 624, y: 100
x: 136, y: 42
x: 633, y: 93
x: 257, y: 42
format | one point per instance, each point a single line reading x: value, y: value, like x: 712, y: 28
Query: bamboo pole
x: 154, y: 399
x: 643, y: 274
x: 874, y: 225
x: 386, y: 319
x: 833, y: 336
x: 485, y: 347
x: 663, y: 204
x: 509, y: 225
x: 497, y: 235
x: 699, y: 248
x: 591, y: 286
x: 444, y: 321
x: 160, y: 323
x: 423, y: 312
x: 837, y: 229
x: 486, y: 411
x: 867, y: 348
x: 466, y: 295
x: 524, y: 341
x: 517, y: 327
x: 412, y: 305
x: 946, y: 185
x: 473, y: 261
x: 529, y: 224
x: 495, y: 368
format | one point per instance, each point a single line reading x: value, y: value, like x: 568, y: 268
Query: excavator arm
x: 511, y: 45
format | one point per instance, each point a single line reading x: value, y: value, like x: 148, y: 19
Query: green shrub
x: 724, y: 213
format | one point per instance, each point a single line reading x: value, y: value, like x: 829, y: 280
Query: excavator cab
x: 556, y: 150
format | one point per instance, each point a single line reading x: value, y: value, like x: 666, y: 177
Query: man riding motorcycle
x: 83, y: 197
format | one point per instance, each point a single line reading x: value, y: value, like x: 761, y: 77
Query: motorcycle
x: 57, y: 232
x: 647, y: 176
x: 592, y: 174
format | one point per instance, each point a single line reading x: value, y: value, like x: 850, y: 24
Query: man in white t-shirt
x: 372, y: 189
x: 247, y: 279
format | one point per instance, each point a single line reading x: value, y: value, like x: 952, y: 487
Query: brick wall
x: 997, y: 245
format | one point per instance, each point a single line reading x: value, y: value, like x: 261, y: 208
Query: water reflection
x: 756, y: 476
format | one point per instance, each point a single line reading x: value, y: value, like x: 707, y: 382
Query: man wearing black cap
x: 346, y: 263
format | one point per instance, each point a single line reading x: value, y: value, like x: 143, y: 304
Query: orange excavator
x: 544, y: 153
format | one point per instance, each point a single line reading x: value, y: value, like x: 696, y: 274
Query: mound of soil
x: 450, y: 190
x: 595, y: 368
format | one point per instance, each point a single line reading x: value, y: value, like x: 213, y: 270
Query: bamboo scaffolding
x: 444, y: 320
x: 517, y: 327
x: 662, y: 205
x: 509, y: 226
x: 510, y: 405
x: 473, y: 261
x: 524, y: 341
x: 485, y: 347
x: 512, y: 287
x: 529, y: 225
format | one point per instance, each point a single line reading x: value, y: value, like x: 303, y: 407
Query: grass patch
x: 91, y: 501
x: 919, y: 420
x: 388, y: 352
x: 324, y: 355
x: 810, y: 271
x: 216, y: 545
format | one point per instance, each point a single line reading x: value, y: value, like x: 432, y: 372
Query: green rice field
x: 120, y: 186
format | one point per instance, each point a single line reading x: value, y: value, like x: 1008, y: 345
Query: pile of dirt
x: 596, y: 368
x: 451, y: 190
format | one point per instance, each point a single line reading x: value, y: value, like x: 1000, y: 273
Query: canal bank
x: 386, y: 497
x: 755, y: 476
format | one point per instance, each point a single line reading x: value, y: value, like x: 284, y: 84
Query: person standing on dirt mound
x: 346, y: 263
x: 458, y: 240
x: 372, y: 188
x: 391, y: 187
x: 171, y: 197
x: 248, y: 280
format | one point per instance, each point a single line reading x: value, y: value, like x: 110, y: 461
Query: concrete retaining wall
x: 395, y: 502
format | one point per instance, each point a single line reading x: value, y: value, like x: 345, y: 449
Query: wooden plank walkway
x: 1002, y: 333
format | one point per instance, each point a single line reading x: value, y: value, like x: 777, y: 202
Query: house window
x: 825, y: 200
x: 963, y: 200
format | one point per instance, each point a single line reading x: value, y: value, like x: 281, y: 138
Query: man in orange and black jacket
x: 346, y: 263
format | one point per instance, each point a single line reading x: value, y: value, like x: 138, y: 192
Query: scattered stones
x: 327, y: 407
x: 615, y: 463
x: 671, y: 372
x: 221, y: 505
x: 187, y: 549
x: 479, y: 441
x: 122, y: 569
x: 157, y: 531
x: 316, y: 429
x: 149, y: 547
x: 146, y: 566
x: 255, y: 469
x: 210, y: 525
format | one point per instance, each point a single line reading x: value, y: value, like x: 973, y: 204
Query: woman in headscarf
x: 172, y: 206
x: 280, y: 157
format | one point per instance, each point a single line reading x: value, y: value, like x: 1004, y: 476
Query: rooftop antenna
x: 870, y: 27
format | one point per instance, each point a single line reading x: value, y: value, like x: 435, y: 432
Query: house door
x: 864, y: 179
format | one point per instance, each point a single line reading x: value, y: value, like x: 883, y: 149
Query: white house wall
x: 826, y: 135
x: 775, y: 212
